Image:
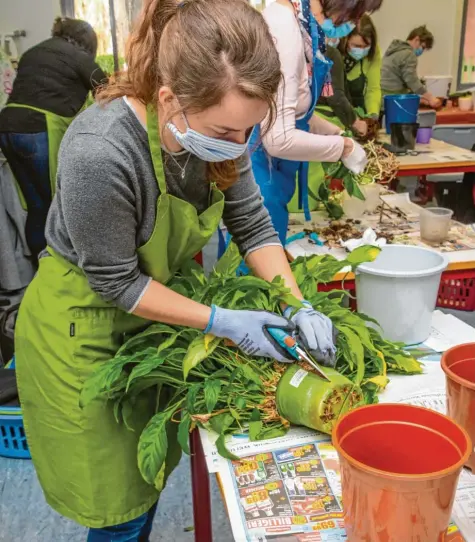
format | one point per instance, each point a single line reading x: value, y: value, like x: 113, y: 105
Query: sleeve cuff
x: 139, y: 299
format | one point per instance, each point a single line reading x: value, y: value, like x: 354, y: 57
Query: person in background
x: 399, y: 68
x: 362, y: 60
x: 53, y: 81
x: 300, y: 29
x: 337, y: 107
x: 145, y: 176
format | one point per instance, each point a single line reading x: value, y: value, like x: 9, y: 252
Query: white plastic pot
x: 466, y: 103
x: 399, y: 290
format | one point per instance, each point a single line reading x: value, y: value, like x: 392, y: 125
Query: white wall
x: 34, y: 16
x: 397, y: 18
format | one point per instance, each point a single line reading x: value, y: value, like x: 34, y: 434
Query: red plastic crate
x: 457, y: 290
x: 348, y: 285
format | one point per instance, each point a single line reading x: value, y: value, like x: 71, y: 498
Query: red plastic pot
x: 399, y: 466
x: 336, y: 185
x: 458, y: 364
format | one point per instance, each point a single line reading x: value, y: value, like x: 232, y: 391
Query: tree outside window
x: 112, y: 20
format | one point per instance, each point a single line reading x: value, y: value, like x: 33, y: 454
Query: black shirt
x: 54, y: 75
x: 340, y: 102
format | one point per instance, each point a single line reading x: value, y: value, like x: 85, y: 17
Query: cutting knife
x: 290, y: 345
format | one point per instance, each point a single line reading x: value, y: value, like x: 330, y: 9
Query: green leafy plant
x: 215, y: 386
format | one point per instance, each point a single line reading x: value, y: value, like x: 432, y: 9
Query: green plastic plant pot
x: 304, y: 398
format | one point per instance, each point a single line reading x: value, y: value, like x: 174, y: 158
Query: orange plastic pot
x: 399, y: 467
x: 458, y: 364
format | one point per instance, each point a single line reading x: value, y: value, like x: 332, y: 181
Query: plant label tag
x: 298, y: 377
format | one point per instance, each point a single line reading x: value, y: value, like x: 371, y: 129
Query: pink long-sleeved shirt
x: 323, y: 143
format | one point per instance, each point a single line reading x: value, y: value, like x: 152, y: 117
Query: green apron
x: 316, y: 173
x: 86, y: 462
x: 56, y: 127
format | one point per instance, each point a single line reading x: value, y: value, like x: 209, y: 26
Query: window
x: 112, y: 20
x: 466, y: 74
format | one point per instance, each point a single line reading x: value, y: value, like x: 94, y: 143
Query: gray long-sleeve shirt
x: 399, y: 70
x: 105, y: 204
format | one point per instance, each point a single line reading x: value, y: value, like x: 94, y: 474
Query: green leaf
x: 251, y: 375
x: 404, y: 364
x: 221, y: 423
x: 334, y: 210
x: 153, y: 446
x: 212, y: 391
x: 366, y: 253
x: 229, y: 261
x: 197, y: 352
x: 272, y: 432
x: 255, y: 425
x: 357, y: 193
x: 144, y: 368
x: 192, y: 395
x: 184, y: 432
x: 240, y: 402
x: 223, y: 451
x: 102, y: 380
x: 143, y: 337
x: 356, y: 351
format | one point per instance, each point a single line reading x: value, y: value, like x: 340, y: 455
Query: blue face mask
x: 209, y: 149
x: 418, y: 51
x: 332, y: 31
x: 333, y: 42
x: 358, y: 53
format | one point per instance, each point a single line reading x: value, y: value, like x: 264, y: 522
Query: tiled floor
x: 25, y: 516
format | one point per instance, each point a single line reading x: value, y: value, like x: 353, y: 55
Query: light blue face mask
x: 358, y: 53
x: 419, y: 51
x: 209, y: 149
x: 332, y: 31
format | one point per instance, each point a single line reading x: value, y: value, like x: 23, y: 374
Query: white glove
x: 356, y: 161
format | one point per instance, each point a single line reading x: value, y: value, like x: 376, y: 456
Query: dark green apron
x: 357, y: 89
x: 86, y: 462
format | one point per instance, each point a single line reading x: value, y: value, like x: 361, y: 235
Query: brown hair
x: 349, y: 10
x: 79, y: 33
x: 366, y: 29
x: 426, y: 37
x: 201, y: 49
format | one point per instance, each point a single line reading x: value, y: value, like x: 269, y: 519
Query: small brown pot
x: 400, y: 466
x: 458, y: 364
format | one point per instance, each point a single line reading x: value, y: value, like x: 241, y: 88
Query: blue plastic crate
x: 12, y: 433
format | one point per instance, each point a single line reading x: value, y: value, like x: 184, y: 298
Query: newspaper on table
x: 289, y: 489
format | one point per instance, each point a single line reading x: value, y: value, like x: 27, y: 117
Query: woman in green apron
x: 53, y: 81
x: 144, y: 178
x: 362, y: 58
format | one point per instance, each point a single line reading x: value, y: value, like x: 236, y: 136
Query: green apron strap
x: 153, y: 131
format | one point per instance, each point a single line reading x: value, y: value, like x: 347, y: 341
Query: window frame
x: 463, y: 86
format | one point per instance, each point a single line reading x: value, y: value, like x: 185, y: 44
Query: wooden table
x: 454, y: 115
x: 436, y: 157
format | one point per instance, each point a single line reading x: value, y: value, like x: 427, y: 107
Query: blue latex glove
x: 316, y: 332
x: 247, y: 330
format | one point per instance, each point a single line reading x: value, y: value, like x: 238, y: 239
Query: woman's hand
x: 316, y: 332
x: 248, y: 331
x: 360, y: 127
x: 356, y: 159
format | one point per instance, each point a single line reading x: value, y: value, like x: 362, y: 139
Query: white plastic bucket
x: 399, y: 290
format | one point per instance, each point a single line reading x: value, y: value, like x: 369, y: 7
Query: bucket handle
x: 402, y: 108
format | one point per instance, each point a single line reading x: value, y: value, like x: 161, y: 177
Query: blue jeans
x: 27, y: 156
x: 137, y: 530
